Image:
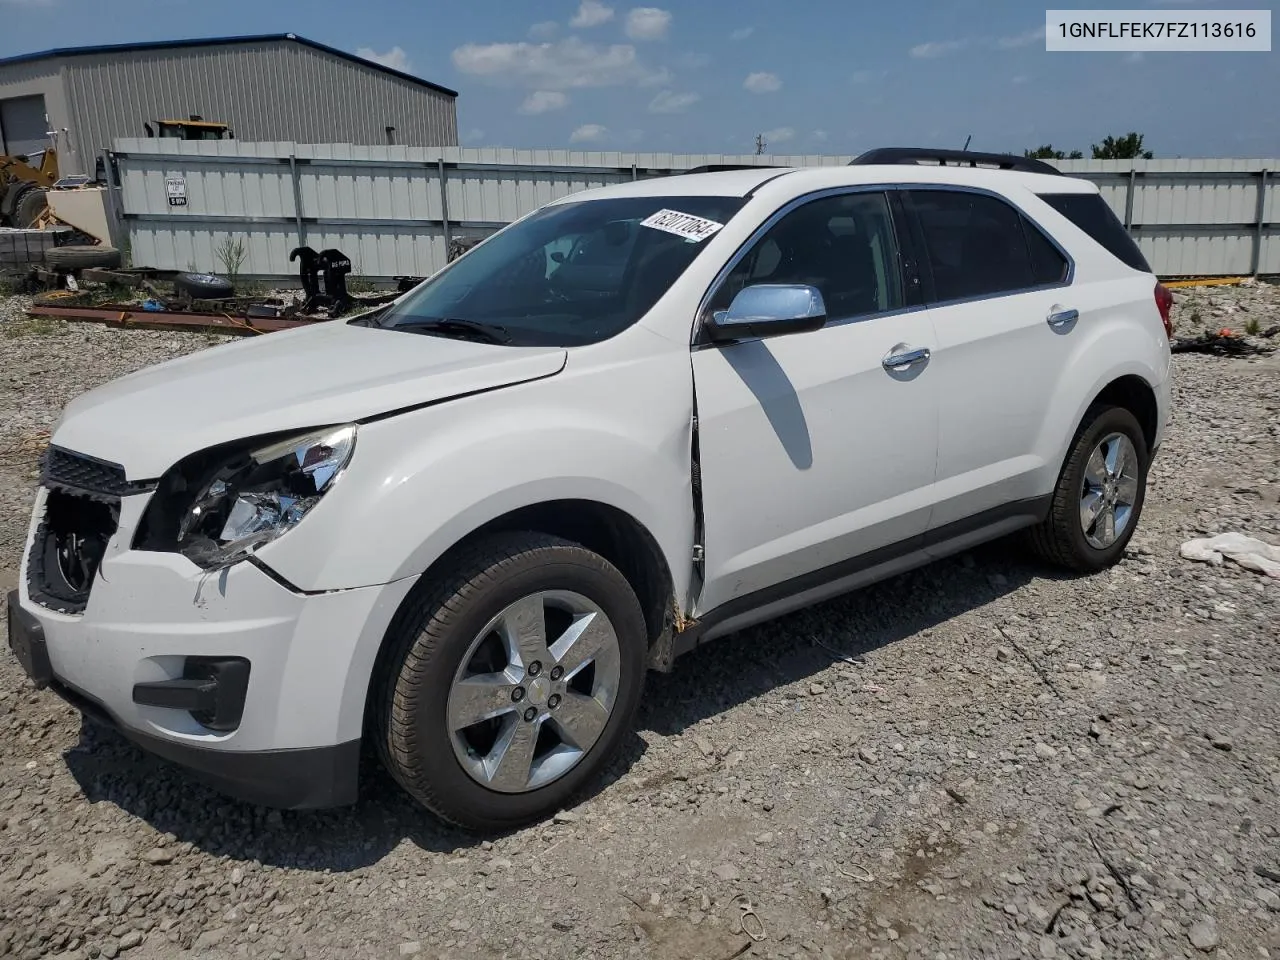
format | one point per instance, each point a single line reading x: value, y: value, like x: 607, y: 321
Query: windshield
x: 567, y: 275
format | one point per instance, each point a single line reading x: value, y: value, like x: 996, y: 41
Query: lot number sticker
x: 682, y: 225
x: 176, y: 188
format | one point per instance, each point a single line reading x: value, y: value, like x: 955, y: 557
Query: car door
x: 812, y: 451
x: 1002, y: 308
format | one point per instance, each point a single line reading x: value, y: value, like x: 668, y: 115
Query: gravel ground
x: 979, y: 759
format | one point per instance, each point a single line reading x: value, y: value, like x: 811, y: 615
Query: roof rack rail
x: 722, y: 167
x: 960, y: 158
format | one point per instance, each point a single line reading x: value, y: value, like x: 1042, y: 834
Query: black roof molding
x: 953, y: 158
x: 222, y: 41
x: 725, y: 167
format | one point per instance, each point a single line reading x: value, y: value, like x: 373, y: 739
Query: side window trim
x: 916, y: 269
x: 931, y: 292
x: 698, y: 340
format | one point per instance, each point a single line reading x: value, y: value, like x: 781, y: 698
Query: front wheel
x: 509, y: 684
x: 1099, y: 496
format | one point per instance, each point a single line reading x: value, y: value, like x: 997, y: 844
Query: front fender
x: 420, y: 482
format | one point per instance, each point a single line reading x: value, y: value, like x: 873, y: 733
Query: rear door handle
x: 1061, y: 318
x: 903, y: 357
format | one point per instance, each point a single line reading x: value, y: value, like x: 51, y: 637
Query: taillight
x: 1164, y: 303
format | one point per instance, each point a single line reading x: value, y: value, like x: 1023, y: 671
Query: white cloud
x: 648, y: 23
x: 588, y: 133
x: 820, y: 136
x: 474, y: 135
x: 561, y: 65
x: 762, y: 83
x: 937, y: 48
x: 1133, y: 57
x: 635, y: 135
x: 591, y: 13
x: 395, y: 58
x: 542, y: 101
x: 693, y: 60
x: 669, y: 102
x: 546, y: 30
x: 1019, y: 79
x: 1021, y: 39
x: 779, y: 135
x: 742, y: 33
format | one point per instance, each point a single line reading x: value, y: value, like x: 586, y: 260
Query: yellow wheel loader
x: 23, y: 184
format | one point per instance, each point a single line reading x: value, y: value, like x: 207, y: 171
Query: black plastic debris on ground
x: 1224, y: 344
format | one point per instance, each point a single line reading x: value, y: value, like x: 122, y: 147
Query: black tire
x: 203, y: 286
x: 81, y: 257
x: 1061, y: 538
x: 424, y: 648
x: 30, y: 205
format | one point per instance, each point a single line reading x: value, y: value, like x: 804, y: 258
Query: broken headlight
x: 252, y: 495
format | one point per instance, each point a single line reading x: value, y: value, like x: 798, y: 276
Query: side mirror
x: 768, y: 310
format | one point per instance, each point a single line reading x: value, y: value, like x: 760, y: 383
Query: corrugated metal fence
x: 393, y: 210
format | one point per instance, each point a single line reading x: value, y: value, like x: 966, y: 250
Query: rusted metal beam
x: 167, y: 320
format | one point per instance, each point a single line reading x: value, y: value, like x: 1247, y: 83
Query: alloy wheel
x: 1110, y: 490
x: 534, y: 691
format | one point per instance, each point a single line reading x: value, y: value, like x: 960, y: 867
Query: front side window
x: 980, y: 246
x: 567, y: 275
x: 843, y: 245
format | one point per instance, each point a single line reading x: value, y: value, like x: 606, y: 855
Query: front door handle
x: 1059, y: 317
x: 903, y: 357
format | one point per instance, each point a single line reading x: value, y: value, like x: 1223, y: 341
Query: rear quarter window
x: 1090, y: 213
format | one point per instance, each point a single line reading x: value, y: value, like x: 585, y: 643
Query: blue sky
x: 815, y: 76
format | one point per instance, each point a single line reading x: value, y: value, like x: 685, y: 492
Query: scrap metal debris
x: 135, y: 315
x: 748, y: 920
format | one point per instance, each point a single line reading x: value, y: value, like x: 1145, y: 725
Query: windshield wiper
x: 488, y: 332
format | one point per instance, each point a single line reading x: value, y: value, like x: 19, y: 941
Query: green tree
x: 1047, y: 152
x: 1128, y: 147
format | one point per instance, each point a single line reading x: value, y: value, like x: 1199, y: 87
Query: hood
x: 312, y: 376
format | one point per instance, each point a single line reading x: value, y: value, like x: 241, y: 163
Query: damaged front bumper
x: 257, y: 686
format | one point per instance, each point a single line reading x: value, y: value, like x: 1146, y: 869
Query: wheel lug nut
x: 557, y: 673
x: 535, y: 668
x: 553, y: 701
x: 517, y: 694
x: 530, y: 714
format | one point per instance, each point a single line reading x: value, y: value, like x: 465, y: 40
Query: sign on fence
x: 176, y: 190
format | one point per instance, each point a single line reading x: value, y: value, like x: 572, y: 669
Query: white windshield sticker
x: 684, y: 225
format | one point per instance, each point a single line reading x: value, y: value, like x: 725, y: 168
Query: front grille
x: 76, y: 473
x: 81, y: 513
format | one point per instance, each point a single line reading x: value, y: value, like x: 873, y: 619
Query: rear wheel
x: 507, y: 686
x: 1100, y: 493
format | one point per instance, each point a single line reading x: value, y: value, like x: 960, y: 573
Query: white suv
x: 461, y: 528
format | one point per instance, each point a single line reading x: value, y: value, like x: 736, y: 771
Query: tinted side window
x: 1090, y: 213
x: 1047, y: 263
x: 975, y: 244
x: 843, y: 245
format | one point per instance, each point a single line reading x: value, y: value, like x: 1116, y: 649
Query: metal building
x: 273, y: 87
